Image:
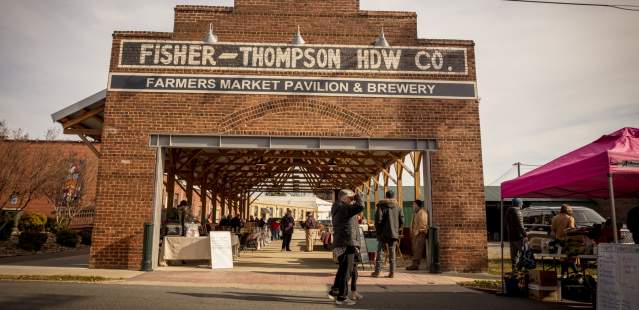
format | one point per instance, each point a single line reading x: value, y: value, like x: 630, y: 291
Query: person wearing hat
x: 346, y: 246
x: 515, y: 229
x: 419, y: 233
x: 559, y: 227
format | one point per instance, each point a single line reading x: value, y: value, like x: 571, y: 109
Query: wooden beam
x: 90, y: 145
x: 83, y: 117
x: 401, y: 162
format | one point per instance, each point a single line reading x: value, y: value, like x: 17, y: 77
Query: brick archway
x: 360, y: 124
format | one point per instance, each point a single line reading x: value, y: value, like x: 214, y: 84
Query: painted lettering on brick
x: 282, y: 85
x: 274, y: 57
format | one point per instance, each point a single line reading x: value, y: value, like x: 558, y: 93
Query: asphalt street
x: 57, y: 295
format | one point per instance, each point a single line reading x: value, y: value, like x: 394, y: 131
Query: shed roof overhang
x: 84, y: 118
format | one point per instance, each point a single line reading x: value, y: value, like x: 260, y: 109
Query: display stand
x: 221, y: 250
x: 618, y: 276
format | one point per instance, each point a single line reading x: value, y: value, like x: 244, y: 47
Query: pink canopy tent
x: 583, y: 173
x: 605, y: 168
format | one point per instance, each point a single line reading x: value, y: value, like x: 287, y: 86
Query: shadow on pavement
x: 77, y: 259
x: 377, y: 297
x: 38, y: 301
x: 258, y: 297
x: 301, y: 274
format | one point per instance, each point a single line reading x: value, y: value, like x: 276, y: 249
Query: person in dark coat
x: 389, y: 219
x: 236, y: 223
x: 346, y: 241
x: 515, y: 229
x: 287, y: 225
x: 632, y: 222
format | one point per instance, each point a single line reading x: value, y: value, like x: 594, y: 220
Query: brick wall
x: 125, y: 195
x: 622, y: 206
x: 79, y: 150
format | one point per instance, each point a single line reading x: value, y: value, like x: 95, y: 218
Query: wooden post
x: 222, y: 205
x: 203, y: 190
x: 385, y: 177
x: 399, y: 169
x: 236, y: 208
x: 368, y: 199
x: 214, y: 205
x: 189, y: 191
x: 247, y: 198
x: 170, y: 182
x: 416, y: 158
x: 376, y: 191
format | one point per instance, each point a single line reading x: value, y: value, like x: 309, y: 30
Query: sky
x: 550, y: 77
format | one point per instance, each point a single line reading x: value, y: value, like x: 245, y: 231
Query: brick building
x: 244, y: 111
x: 70, y: 149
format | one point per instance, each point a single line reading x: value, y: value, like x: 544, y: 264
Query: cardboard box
x: 542, y: 277
x: 543, y: 293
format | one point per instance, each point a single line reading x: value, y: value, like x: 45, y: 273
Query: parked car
x: 537, y: 220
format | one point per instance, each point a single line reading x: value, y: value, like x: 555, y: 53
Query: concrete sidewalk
x: 268, y: 268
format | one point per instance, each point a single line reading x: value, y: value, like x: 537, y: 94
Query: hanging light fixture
x: 210, y: 37
x: 381, y: 40
x: 297, y: 38
x: 332, y: 163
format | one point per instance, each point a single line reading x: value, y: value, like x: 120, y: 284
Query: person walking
x: 311, y: 231
x: 389, y: 218
x: 632, y: 222
x: 515, y: 228
x: 287, y: 226
x: 419, y: 233
x: 275, y: 229
x: 346, y: 245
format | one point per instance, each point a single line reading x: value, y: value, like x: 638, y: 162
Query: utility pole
x: 518, y: 164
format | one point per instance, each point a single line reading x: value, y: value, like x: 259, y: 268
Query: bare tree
x: 68, y: 189
x: 4, y: 130
x: 25, y: 167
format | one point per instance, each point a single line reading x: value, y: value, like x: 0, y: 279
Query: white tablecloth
x: 184, y: 248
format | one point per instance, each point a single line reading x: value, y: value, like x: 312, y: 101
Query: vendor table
x: 586, y: 261
x: 189, y: 248
x: 186, y: 248
x: 552, y: 256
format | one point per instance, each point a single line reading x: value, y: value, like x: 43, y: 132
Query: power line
x: 530, y: 165
x: 502, y: 176
x: 625, y: 7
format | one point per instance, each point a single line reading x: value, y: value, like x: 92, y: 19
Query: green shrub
x: 67, y: 238
x: 32, y: 221
x: 32, y: 240
x: 52, y: 225
x: 5, y: 232
x: 85, y: 236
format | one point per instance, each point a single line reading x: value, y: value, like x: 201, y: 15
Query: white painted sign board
x: 618, y: 276
x: 221, y: 251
